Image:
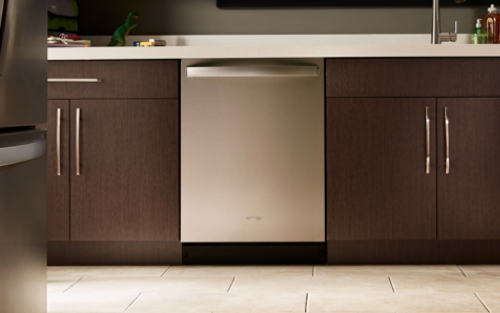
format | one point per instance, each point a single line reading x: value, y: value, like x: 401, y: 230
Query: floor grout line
x: 314, y: 270
x: 76, y: 282
x: 482, y: 302
x: 166, y: 270
x: 392, y: 285
x: 307, y: 302
x: 232, y: 283
x: 461, y: 270
x: 132, y: 302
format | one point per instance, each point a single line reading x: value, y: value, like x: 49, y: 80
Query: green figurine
x: 122, y: 31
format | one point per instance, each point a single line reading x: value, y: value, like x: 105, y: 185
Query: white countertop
x: 277, y: 46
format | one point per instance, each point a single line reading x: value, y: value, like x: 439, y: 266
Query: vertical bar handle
x: 77, y: 145
x: 447, y: 134
x: 58, y: 142
x: 428, y: 141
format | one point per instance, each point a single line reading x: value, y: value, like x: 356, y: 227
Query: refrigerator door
x: 22, y: 221
x: 23, y: 63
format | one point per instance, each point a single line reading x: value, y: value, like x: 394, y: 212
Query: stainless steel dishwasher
x: 252, y: 151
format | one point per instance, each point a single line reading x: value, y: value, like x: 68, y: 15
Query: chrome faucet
x: 437, y: 37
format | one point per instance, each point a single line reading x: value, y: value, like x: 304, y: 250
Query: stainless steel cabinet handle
x: 428, y: 140
x: 77, y: 145
x: 253, y: 71
x: 58, y: 142
x: 447, y: 130
x: 74, y: 80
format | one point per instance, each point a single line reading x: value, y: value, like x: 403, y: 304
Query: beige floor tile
x: 101, y: 302
x: 446, y: 284
x: 154, y: 284
x: 481, y: 270
x: 388, y: 270
x: 381, y: 302
x: 239, y: 270
x: 274, y: 284
x: 229, y: 302
x: 60, y: 284
x: 106, y: 271
x: 492, y: 300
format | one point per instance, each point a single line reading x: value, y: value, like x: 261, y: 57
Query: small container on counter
x: 479, y: 35
x: 491, y: 25
x: 150, y: 43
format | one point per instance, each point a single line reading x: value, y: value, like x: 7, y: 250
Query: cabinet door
x: 469, y: 195
x: 128, y: 183
x: 58, y: 170
x: 377, y: 185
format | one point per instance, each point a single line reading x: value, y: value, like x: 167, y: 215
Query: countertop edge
x: 229, y: 52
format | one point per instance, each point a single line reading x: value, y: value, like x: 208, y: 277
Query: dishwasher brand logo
x: 254, y: 218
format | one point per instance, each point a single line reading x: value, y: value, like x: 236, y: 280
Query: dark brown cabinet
x: 384, y: 202
x: 130, y: 79
x: 127, y: 187
x: 469, y: 195
x: 382, y: 206
x: 113, y: 172
x: 377, y: 180
x: 58, y: 170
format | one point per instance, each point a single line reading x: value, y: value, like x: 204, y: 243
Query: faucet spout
x: 437, y: 37
x: 436, y: 22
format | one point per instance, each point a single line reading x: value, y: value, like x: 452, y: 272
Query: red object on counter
x: 72, y: 37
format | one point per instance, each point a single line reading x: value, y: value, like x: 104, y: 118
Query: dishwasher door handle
x: 253, y: 71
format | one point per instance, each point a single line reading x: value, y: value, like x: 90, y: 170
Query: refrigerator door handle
x: 3, y: 5
x: 22, y: 153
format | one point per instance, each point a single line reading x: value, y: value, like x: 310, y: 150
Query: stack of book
x: 67, y: 41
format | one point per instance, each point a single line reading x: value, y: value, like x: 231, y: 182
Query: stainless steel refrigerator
x: 23, y: 102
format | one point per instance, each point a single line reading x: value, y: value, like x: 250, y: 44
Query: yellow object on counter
x: 152, y: 43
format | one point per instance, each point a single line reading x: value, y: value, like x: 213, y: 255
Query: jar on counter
x: 491, y: 25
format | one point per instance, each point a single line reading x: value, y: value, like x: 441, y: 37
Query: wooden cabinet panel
x: 88, y: 253
x: 469, y: 196
x: 58, y: 185
x: 413, y: 77
x: 128, y: 189
x: 377, y: 186
x: 145, y: 79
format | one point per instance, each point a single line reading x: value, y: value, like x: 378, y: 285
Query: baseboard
x: 413, y: 252
x: 337, y: 252
x: 114, y: 253
x: 254, y: 253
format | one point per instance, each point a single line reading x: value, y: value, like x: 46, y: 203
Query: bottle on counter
x: 491, y: 25
x: 479, y: 35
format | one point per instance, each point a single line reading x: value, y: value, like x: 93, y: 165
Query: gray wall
x: 177, y: 17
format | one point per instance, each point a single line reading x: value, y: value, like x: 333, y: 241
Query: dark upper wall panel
x: 192, y: 17
x: 337, y: 3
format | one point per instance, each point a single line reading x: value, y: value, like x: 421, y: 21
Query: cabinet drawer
x: 116, y: 79
x: 413, y: 77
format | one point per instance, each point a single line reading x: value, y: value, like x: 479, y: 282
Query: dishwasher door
x: 252, y: 151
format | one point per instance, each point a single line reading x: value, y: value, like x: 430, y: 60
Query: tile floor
x: 144, y: 289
